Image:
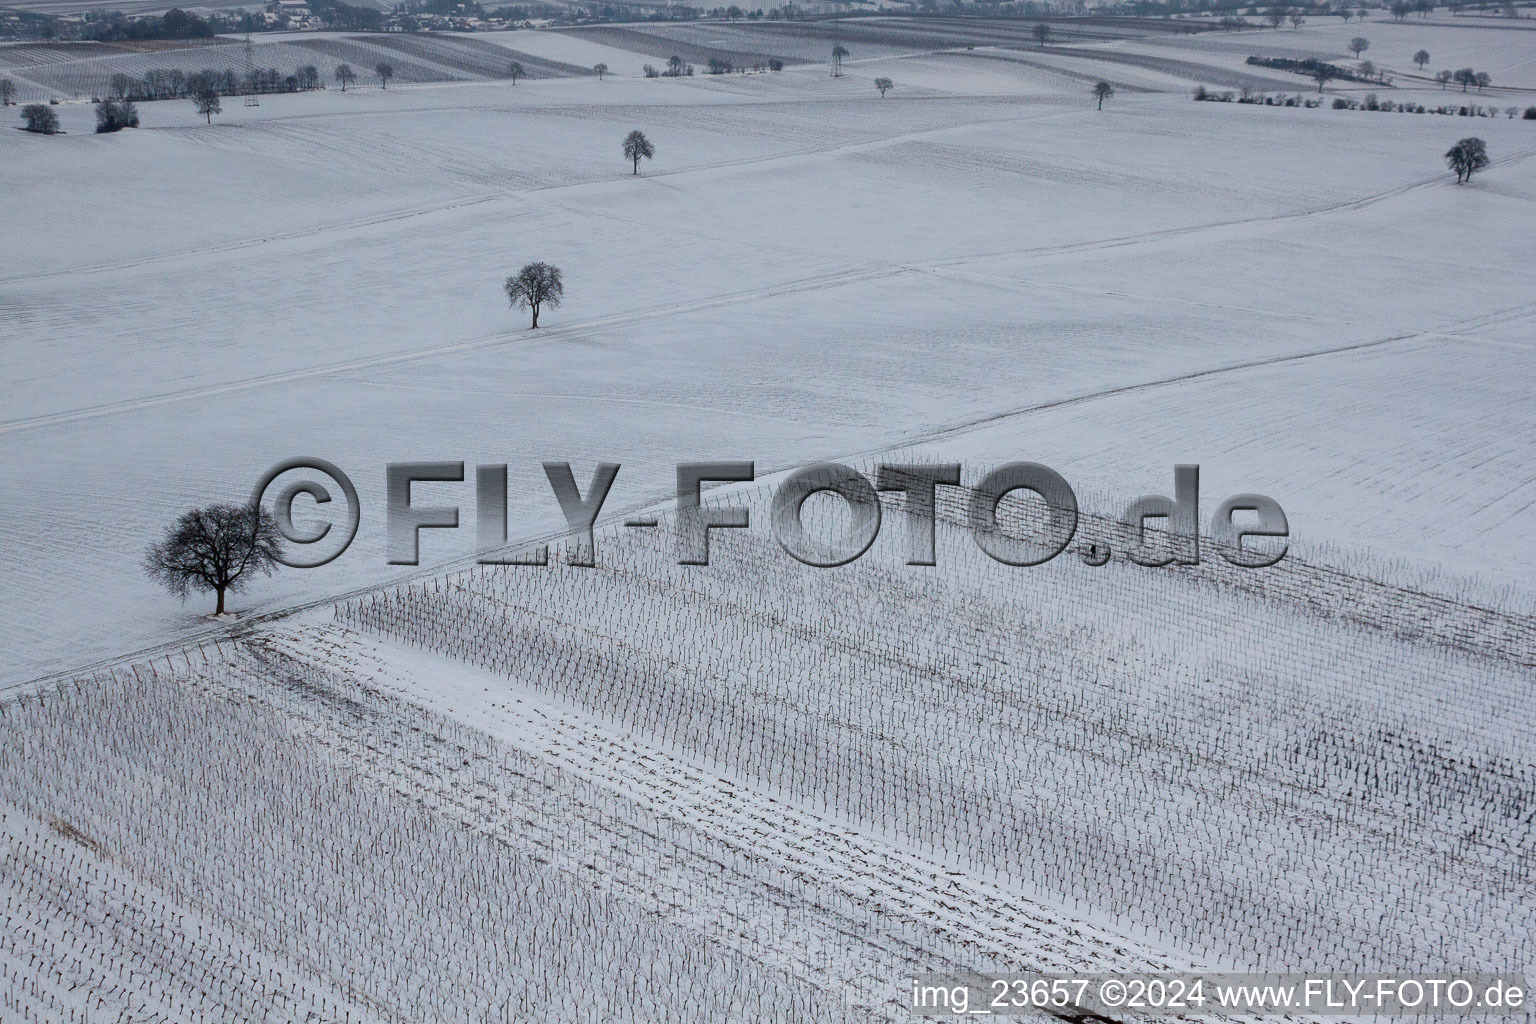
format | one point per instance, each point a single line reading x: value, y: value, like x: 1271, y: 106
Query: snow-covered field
x: 756, y: 791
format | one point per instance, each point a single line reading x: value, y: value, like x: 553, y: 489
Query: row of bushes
x: 1466, y: 110
x: 1370, y: 102
x: 1202, y: 94
x: 677, y: 68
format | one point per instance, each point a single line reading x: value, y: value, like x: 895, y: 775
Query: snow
x: 979, y: 267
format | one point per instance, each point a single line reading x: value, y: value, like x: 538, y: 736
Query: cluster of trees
x: 160, y: 84
x: 1372, y: 102
x: 340, y: 15
x: 1320, y: 70
x: 676, y: 68
x: 115, y: 115
x: 173, y: 24
x: 345, y: 75
x: 1369, y: 72
x: 1277, y: 16
x: 679, y: 68
x: 1464, y: 78
x: 595, y: 12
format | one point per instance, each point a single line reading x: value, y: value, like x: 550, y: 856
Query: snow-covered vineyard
x: 754, y: 791
x: 732, y: 787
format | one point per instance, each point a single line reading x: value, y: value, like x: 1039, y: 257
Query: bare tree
x: 207, y: 101
x: 1103, y: 91
x: 1467, y: 156
x: 1421, y: 58
x: 535, y: 286
x: 839, y: 51
x: 1346, y: 14
x: 1275, y: 16
x: 1324, y: 73
x: 309, y: 77
x: 1443, y: 77
x: 385, y: 73
x: 1368, y: 69
x: 216, y: 549
x: 40, y: 118
x: 1359, y: 45
x: 515, y: 71
x: 1297, y: 21
x: 675, y: 66
x: 1464, y: 78
x: 7, y: 92
x: 1042, y: 33
x: 884, y: 85
x: 1482, y: 78
x: 344, y: 75
x: 601, y: 69
x: 636, y: 145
